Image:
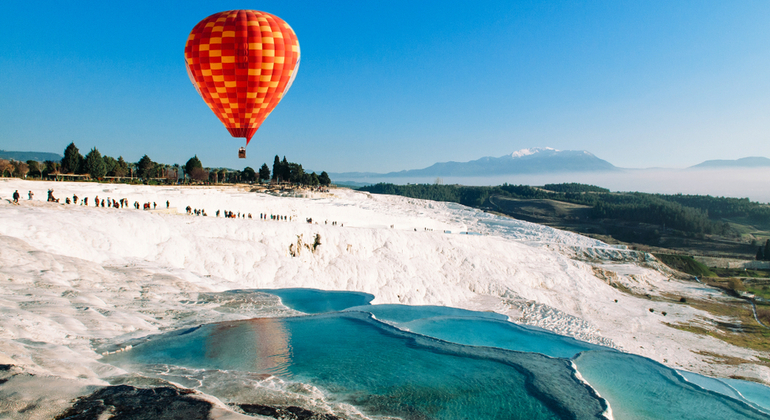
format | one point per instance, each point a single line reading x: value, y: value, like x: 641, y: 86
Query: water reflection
x: 256, y: 345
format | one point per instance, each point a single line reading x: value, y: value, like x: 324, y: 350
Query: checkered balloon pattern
x: 242, y: 62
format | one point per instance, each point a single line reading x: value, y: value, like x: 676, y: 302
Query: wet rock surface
x: 287, y: 413
x: 123, y: 402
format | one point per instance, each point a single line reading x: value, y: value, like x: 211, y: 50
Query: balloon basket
x: 242, y: 153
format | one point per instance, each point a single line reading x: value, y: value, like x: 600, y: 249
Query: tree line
x: 96, y: 166
x: 685, y: 213
x: 574, y: 187
x: 284, y: 171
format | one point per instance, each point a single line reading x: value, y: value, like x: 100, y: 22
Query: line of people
x: 279, y: 217
x: 238, y: 215
x: 197, y: 212
x: 123, y: 203
x: 232, y: 215
x: 97, y: 202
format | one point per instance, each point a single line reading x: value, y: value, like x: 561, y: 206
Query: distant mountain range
x: 540, y: 160
x: 747, y: 162
x: 525, y: 161
x: 25, y: 156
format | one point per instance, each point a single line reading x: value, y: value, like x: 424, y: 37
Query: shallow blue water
x: 477, y: 329
x: 405, y: 313
x: 640, y: 388
x: 429, y: 362
x: 709, y: 383
x: 377, y: 368
x: 756, y: 393
x: 314, y: 301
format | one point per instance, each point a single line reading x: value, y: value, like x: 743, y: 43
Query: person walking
x: 31, y: 194
x: 16, y: 196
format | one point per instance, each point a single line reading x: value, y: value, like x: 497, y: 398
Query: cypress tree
x: 767, y: 250
x: 285, y: 171
x: 276, y: 168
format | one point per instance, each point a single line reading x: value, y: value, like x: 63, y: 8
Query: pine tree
x: 264, y: 173
x: 295, y: 173
x: 145, y: 167
x: 109, y: 165
x: 121, y: 168
x: 72, y: 160
x: 767, y: 250
x: 94, y: 164
x: 191, y: 164
x: 324, y: 179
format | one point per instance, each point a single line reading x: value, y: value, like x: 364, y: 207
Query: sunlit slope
x: 414, y: 262
x: 400, y: 250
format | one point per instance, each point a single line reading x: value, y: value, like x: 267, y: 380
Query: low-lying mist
x: 753, y: 183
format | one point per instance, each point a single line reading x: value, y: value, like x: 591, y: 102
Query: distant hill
x: 25, y: 156
x: 525, y: 161
x: 747, y: 162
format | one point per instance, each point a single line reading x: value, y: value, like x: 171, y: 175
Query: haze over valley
x: 739, y: 178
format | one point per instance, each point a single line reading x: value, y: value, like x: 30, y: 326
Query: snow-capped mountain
x: 524, y: 161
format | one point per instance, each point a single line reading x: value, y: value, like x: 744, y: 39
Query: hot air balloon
x: 242, y: 63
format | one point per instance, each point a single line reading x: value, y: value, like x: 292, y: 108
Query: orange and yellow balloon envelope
x: 242, y: 62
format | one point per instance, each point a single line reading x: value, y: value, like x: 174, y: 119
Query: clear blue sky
x: 391, y: 85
